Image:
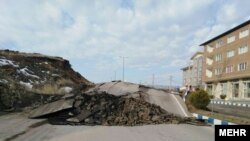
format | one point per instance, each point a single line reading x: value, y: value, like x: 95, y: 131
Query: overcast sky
x: 157, y: 36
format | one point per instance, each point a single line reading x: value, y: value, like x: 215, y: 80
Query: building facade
x: 197, y: 62
x: 186, y: 75
x: 226, y: 63
x: 192, y: 74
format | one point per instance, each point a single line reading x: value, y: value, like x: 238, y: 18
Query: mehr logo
x: 239, y: 132
x: 232, y: 132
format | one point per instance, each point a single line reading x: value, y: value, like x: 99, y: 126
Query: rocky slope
x: 27, y: 77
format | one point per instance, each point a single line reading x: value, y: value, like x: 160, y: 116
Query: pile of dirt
x: 106, y: 109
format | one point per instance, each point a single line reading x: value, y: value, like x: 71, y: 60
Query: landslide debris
x: 106, y: 109
x: 28, y: 78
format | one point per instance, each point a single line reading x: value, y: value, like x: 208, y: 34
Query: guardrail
x: 230, y: 103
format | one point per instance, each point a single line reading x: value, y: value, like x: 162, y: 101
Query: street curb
x: 211, y: 120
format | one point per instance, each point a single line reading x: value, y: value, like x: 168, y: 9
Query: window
x: 244, y: 33
x: 242, y: 66
x: 209, y: 89
x: 230, y: 39
x: 248, y: 90
x: 229, y: 69
x: 230, y: 53
x: 235, y: 90
x: 243, y: 49
x: 218, y: 57
x: 219, y: 44
x: 224, y: 88
x: 218, y: 71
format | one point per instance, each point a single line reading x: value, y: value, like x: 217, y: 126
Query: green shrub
x: 223, y: 96
x: 199, y: 99
x: 211, y: 96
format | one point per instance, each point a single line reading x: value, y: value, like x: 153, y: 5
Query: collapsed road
x: 48, y: 91
x: 49, y: 88
x: 115, y: 103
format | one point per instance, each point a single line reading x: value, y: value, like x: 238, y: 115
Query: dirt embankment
x: 28, y: 78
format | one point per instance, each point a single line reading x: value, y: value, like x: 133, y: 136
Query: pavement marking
x: 180, y: 106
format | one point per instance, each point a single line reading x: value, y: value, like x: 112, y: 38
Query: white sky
x: 157, y: 36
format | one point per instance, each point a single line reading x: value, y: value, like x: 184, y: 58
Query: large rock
x: 52, y: 108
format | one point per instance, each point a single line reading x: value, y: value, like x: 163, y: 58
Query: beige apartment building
x: 192, y: 74
x: 227, y: 63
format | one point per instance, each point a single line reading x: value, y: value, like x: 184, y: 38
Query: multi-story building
x: 192, y: 74
x: 226, y: 63
x: 197, y: 61
x: 186, y: 75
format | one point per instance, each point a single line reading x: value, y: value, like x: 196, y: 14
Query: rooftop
x: 197, y: 53
x: 187, y: 67
x: 227, y: 32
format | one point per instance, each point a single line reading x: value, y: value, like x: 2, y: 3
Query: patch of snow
x: 3, y: 81
x: 55, y: 75
x: 36, y: 82
x: 4, y: 62
x: 46, y: 63
x: 31, y: 81
x: 66, y: 89
x: 43, y: 81
x: 26, y: 84
x: 27, y: 72
x: 47, y: 72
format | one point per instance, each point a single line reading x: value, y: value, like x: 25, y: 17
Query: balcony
x: 210, y: 49
x: 209, y: 73
x: 209, y: 61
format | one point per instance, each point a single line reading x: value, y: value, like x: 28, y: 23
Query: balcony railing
x: 209, y: 73
x: 209, y: 61
x: 210, y: 49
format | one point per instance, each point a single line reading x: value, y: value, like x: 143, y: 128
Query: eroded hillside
x: 26, y: 76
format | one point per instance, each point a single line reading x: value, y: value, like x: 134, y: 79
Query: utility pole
x: 153, y: 79
x: 123, y: 60
x: 170, y: 81
x: 123, y: 67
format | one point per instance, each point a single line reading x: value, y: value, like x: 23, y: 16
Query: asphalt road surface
x: 16, y: 127
x: 170, y: 102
